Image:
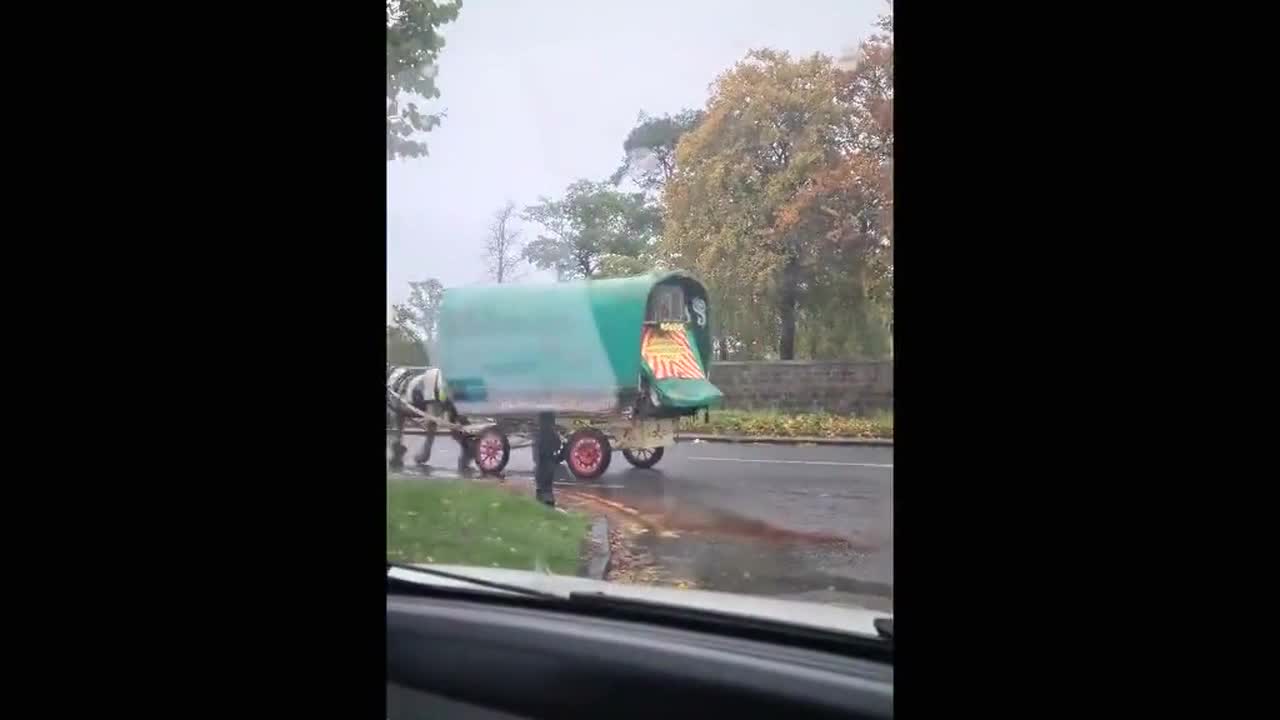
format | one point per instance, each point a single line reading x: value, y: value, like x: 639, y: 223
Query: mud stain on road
x: 671, y: 519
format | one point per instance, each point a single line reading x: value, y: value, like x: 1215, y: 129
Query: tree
x: 771, y: 123
x: 502, y: 247
x: 402, y: 349
x: 782, y: 199
x: 841, y: 211
x: 413, y: 43
x: 650, y: 149
x: 593, y: 231
x: 613, y: 265
x: 419, y: 317
x: 869, y: 92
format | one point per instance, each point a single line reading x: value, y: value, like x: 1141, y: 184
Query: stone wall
x: 838, y: 386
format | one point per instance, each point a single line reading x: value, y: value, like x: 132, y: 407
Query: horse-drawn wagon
x: 619, y: 362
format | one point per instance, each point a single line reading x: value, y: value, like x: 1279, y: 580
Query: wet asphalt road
x: 810, y: 522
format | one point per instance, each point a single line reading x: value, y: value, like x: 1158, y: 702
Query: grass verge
x: 466, y: 523
x: 768, y: 423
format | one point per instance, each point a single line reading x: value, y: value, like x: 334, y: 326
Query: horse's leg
x: 397, y: 447
x: 425, y: 454
x: 464, y: 449
x: 464, y: 443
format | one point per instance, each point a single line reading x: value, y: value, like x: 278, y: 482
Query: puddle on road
x: 716, y: 549
x: 701, y: 520
x: 671, y: 517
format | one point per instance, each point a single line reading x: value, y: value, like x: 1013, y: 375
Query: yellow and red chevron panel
x: 666, y: 350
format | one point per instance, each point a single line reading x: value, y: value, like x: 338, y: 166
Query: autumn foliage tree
x: 771, y: 126
x: 839, y: 214
x: 871, y: 96
x: 781, y: 198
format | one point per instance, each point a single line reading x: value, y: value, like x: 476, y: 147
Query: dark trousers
x: 548, y: 449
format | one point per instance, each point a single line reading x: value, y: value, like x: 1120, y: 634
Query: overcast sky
x: 539, y: 94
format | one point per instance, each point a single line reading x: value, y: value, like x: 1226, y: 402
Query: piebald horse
x: 423, y: 389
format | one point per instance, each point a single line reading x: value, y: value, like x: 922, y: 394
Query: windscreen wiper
x: 528, y: 592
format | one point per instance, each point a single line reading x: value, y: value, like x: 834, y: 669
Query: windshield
x: 640, y: 296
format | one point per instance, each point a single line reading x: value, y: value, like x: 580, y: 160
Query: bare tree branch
x: 502, y: 248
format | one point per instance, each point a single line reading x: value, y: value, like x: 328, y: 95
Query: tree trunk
x: 870, y: 336
x: 787, y: 310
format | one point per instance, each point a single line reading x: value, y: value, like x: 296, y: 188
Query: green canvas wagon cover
x: 576, y: 346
